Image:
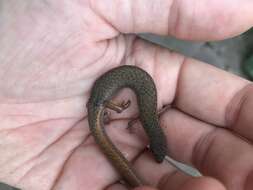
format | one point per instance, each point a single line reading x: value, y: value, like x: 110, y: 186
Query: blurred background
x: 234, y: 55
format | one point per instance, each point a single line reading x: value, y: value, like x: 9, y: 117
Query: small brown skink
x: 102, y: 92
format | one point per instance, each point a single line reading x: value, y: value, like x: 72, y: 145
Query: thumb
x: 192, y: 20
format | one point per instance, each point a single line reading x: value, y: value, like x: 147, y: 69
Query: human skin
x: 52, y: 52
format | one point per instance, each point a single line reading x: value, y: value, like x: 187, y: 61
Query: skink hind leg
x: 118, y: 107
x: 115, y: 107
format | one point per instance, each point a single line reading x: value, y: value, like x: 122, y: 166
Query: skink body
x: 103, y: 91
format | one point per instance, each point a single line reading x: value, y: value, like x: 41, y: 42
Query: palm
x: 62, y: 60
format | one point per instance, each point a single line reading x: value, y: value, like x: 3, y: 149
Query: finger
x: 216, y: 96
x: 182, y: 182
x: 239, y: 112
x: 194, y: 87
x: 213, y: 151
x: 188, y: 183
x: 184, y: 19
x: 164, y: 176
x: 205, y: 91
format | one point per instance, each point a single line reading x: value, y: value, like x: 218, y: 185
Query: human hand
x: 52, y: 52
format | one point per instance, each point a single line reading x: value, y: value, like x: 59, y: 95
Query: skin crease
x: 52, y: 52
